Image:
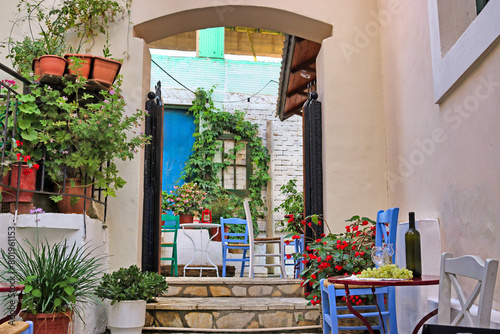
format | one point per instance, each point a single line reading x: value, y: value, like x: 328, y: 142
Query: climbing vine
x: 210, y: 124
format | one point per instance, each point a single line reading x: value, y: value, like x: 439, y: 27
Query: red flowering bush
x: 344, y: 253
x: 18, y: 155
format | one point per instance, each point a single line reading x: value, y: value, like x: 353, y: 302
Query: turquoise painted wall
x: 232, y: 76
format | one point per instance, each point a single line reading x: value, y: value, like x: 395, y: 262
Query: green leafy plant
x: 131, y: 284
x: 57, y: 278
x: 211, y: 123
x: 293, y: 207
x: 343, y: 253
x: 186, y: 199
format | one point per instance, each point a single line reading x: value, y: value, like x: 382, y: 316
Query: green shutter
x: 211, y: 43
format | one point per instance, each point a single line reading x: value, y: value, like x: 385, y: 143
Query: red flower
x: 36, y: 166
x: 319, y: 222
x: 356, y: 254
x: 288, y: 256
x: 313, y: 276
x: 339, y: 267
x: 291, y: 219
x: 355, y: 228
x: 303, y: 222
x: 324, y: 243
x: 323, y: 235
x: 348, y: 228
x: 287, y: 242
x: 318, y: 240
x: 364, y: 222
x: 309, y: 224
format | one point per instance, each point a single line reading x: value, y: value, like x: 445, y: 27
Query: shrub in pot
x: 125, y: 292
x: 58, y: 279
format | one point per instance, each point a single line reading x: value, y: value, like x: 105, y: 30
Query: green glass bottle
x: 412, y: 244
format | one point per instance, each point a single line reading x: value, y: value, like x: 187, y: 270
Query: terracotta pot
x: 105, y: 70
x: 185, y: 219
x: 83, y: 71
x: 70, y: 204
x: 218, y: 237
x: 28, y: 182
x: 50, y: 64
x: 36, y: 67
x: 49, y: 323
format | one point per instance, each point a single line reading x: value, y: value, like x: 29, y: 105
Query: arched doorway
x: 150, y: 242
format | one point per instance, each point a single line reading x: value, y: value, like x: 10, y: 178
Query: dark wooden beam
x: 301, y: 88
x: 304, y: 66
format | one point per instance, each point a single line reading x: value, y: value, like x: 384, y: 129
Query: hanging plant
x: 211, y: 123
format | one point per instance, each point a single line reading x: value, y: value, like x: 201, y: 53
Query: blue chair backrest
x: 390, y: 217
x: 234, y: 237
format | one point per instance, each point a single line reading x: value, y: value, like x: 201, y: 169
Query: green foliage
x: 56, y: 21
x: 186, y: 199
x: 293, y: 207
x: 131, y: 284
x: 337, y: 254
x: 210, y: 125
x: 57, y: 278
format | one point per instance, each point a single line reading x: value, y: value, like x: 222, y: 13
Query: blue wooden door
x: 178, y: 129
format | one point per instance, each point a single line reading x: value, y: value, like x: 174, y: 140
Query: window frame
x: 478, y: 40
x: 248, y: 165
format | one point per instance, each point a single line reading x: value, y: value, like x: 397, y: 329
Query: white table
x: 200, y: 226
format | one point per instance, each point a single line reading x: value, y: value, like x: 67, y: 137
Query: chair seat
x: 18, y: 327
x: 238, y: 245
x: 275, y: 239
x: 167, y: 243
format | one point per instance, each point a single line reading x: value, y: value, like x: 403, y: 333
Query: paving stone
x: 198, y: 291
x: 259, y: 291
x: 168, y: 319
x: 276, y: 319
x: 173, y: 291
x: 253, y: 324
x: 234, y: 320
x: 291, y: 290
x: 312, y: 315
x: 220, y: 291
x: 277, y: 293
x: 199, y: 320
x: 239, y: 291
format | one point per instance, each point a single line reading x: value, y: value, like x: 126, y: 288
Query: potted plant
x: 125, y: 292
x: 223, y: 204
x: 58, y: 279
x: 185, y: 201
x: 331, y: 254
x: 293, y: 207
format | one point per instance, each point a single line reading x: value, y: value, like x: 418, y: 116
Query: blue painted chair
x: 329, y: 292
x: 297, y: 264
x: 234, y: 241
x: 170, y: 224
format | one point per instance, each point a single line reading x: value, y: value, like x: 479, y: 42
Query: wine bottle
x: 412, y: 244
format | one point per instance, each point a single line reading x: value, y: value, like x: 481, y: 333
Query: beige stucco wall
x: 443, y: 159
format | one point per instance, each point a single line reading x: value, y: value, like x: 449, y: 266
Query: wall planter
x: 28, y: 182
x: 49, y: 323
x: 84, y: 71
x: 71, y: 204
x: 105, y: 70
x: 36, y: 67
x: 218, y: 237
x: 54, y: 65
x: 126, y: 317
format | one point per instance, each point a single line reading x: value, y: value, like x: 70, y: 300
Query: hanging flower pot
x: 36, y: 67
x: 73, y: 204
x: 84, y: 70
x: 105, y: 70
x: 49, y: 323
x: 54, y: 65
x: 27, y: 182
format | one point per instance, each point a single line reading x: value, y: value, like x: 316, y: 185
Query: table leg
x: 424, y: 320
x: 356, y: 313
x: 379, y: 312
x: 208, y: 254
x: 194, y: 251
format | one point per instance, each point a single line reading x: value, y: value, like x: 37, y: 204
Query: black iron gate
x: 313, y: 163
x: 152, y: 182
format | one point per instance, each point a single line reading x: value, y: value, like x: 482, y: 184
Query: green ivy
x: 210, y: 124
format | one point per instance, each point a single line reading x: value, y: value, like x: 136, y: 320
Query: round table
x: 347, y: 282
x: 200, y: 226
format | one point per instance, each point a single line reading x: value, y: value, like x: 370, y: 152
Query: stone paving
x: 232, y: 303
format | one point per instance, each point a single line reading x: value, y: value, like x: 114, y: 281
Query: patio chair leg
x: 243, y: 263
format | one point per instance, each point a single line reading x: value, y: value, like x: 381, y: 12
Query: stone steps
x: 241, y: 305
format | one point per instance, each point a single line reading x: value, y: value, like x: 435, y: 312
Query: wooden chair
x: 255, y: 241
x: 170, y: 224
x: 473, y: 267
x: 17, y: 327
x: 330, y: 292
x: 448, y: 329
x: 234, y: 241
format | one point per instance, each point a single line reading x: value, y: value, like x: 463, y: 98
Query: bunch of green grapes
x: 387, y: 271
